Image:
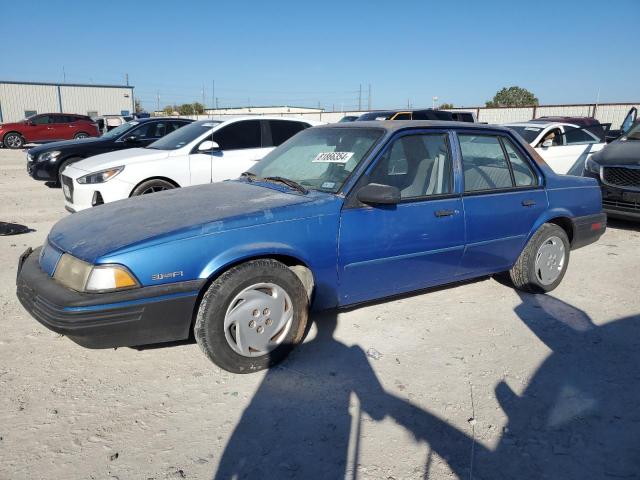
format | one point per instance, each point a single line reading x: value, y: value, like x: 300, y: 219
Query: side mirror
x: 208, y: 146
x: 547, y: 143
x: 131, y: 138
x: 377, y: 194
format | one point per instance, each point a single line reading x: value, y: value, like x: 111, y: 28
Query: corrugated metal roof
x: 61, y: 84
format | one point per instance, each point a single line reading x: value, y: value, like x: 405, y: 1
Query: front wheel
x: 252, y: 316
x: 80, y: 135
x: 13, y: 140
x: 542, y: 264
x: 152, y: 186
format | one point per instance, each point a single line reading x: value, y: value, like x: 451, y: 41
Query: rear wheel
x: 80, y: 135
x: 543, y: 262
x: 13, y: 140
x: 252, y: 316
x: 152, y: 186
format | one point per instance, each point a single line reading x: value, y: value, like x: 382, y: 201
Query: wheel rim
x: 82, y: 135
x: 13, y: 141
x: 258, y: 319
x: 154, y: 188
x: 550, y: 260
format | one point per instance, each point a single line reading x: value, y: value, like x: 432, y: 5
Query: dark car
x: 45, y: 162
x: 617, y: 168
x: 47, y: 127
x: 424, y: 114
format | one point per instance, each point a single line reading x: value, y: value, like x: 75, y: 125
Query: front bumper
x: 79, y: 196
x: 618, y: 202
x: 42, y: 171
x: 136, y: 317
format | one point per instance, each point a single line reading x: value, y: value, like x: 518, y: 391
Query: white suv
x: 202, y: 152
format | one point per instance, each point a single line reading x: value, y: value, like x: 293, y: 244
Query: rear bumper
x: 130, y: 318
x: 588, y: 229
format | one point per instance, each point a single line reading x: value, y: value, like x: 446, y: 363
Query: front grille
x: 67, y: 188
x: 621, y: 176
x: 620, y: 204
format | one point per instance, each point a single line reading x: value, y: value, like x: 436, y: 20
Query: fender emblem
x: 162, y: 276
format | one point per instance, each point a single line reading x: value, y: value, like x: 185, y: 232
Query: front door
x: 503, y: 199
x: 39, y: 129
x: 574, y: 146
x: 387, y: 250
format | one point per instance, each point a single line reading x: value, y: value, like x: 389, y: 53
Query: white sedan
x: 564, y: 145
x: 202, y: 152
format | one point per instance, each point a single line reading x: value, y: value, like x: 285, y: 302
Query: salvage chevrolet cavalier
x: 337, y: 215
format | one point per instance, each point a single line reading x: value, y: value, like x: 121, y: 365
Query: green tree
x: 169, y: 109
x: 445, y: 106
x: 198, y: 108
x: 185, y: 109
x: 513, y: 97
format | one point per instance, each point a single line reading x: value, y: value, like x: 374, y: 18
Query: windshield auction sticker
x: 333, y: 157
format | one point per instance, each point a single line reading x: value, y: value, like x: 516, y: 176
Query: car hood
x: 67, y: 144
x: 182, y: 213
x: 620, y: 152
x: 119, y: 157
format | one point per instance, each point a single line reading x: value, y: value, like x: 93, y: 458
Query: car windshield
x: 183, y: 136
x: 319, y: 158
x: 120, y: 130
x: 528, y: 133
x: 634, y: 133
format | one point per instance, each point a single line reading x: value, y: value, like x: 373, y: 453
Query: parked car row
x: 334, y: 216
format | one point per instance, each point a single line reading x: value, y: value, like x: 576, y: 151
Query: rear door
x: 65, y: 126
x: 240, y: 148
x: 503, y: 197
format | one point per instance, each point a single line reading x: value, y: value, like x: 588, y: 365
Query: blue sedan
x: 338, y: 215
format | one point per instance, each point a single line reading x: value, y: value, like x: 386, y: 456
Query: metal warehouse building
x: 19, y: 100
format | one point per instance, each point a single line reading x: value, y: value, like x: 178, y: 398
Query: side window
x: 522, y: 173
x: 418, y: 165
x: 577, y: 136
x: 41, y: 120
x: 150, y: 130
x: 239, y: 135
x: 555, y: 135
x: 403, y: 116
x: 283, y: 130
x: 29, y: 113
x: 484, y: 164
x: 172, y: 126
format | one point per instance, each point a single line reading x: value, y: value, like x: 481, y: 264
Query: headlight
x: 84, y: 277
x: 48, y: 156
x: 101, y: 176
x: 590, y: 165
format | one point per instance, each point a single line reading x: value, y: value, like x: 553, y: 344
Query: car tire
x: 542, y: 264
x: 235, y: 298
x: 152, y: 186
x: 13, y: 140
x: 80, y: 135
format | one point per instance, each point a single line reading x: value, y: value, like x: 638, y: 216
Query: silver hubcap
x: 153, y: 189
x: 258, y: 319
x: 13, y: 141
x: 550, y: 260
x: 81, y: 135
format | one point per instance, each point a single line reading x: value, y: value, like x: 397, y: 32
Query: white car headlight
x: 590, y: 165
x: 101, y: 176
x: 48, y: 156
x: 84, y: 277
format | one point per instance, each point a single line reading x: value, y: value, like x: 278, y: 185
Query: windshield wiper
x: 288, y: 182
x: 249, y: 176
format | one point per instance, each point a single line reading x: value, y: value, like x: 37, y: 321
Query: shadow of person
x: 579, y: 416
x: 302, y: 422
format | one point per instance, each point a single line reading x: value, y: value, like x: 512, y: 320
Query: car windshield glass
x: 183, y: 136
x: 319, y: 158
x: 634, y: 133
x: 528, y: 133
x: 120, y: 130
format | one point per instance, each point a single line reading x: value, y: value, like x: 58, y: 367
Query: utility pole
x: 64, y: 75
x: 360, y: 98
x: 369, y: 101
x: 216, y: 103
x: 213, y: 93
x: 126, y: 78
x: 434, y: 99
x: 158, y: 100
x: 203, y: 97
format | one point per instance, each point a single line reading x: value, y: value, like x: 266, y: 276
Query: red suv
x: 47, y: 127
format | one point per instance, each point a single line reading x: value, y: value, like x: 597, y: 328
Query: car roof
x: 395, y: 125
x: 148, y: 119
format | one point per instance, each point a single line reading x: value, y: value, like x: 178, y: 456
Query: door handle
x: 528, y: 203
x: 444, y: 213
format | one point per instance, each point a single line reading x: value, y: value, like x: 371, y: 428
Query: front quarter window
x: 319, y: 158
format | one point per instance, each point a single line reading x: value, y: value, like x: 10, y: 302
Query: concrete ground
x: 473, y: 381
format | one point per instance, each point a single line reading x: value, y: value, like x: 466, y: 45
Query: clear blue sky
x: 301, y: 53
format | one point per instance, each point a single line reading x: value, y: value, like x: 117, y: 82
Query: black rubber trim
x: 583, y: 231
x: 154, y: 321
